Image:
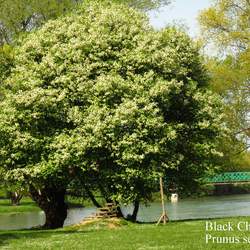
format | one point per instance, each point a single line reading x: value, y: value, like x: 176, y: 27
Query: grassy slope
x: 174, y: 235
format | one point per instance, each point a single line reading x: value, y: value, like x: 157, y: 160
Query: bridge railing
x: 229, y: 177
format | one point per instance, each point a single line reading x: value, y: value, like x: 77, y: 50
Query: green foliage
x: 6, y: 61
x: 231, y: 80
x: 17, y: 17
x: 242, y: 162
x: 144, y: 5
x: 100, y: 95
x: 225, y: 25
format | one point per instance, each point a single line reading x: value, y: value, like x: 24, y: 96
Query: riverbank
x: 28, y: 205
x: 122, y: 235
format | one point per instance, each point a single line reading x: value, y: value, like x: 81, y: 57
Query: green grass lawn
x: 116, y: 235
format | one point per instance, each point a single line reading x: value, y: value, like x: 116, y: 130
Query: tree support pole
x: 164, y: 216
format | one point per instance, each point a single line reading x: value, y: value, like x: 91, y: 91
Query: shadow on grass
x: 45, y: 235
x: 7, y: 236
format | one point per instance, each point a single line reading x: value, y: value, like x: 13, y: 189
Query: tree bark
x: 51, y: 201
x: 135, y: 211
x: 119, y: 212
x: 104, y: 193
x: 15, y: 198
x: 92, y: 197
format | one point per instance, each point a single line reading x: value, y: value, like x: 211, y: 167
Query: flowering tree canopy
x: 101, y: 95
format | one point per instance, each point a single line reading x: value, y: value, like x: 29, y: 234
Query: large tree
x: 18, y: 18
x: 101, y: 96
x: 226, y: 27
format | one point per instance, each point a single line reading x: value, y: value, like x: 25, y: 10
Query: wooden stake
x: 164, y: 216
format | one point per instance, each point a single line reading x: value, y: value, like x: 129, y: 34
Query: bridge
x: 229, y: 178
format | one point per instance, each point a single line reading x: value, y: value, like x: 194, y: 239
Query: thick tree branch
x: 92, y: 197
x: 243, y: 130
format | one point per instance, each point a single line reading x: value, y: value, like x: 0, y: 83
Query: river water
x: 198, y: 208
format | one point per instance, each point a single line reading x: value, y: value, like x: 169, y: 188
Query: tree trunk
x: 108, y: 200
x: 119, y: 211
x: 104, y: 193
x: 15, y: 198
x: 92, y: 197
x: 51, y: 201
x: 135, y: 211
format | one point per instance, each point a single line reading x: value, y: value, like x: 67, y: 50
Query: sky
x: 180, y: 11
